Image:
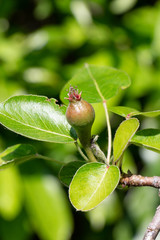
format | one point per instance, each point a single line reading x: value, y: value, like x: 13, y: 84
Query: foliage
x: 43, y: 44
x: 42, y: 119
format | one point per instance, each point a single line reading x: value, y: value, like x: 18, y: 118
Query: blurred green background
x: 42, y: 44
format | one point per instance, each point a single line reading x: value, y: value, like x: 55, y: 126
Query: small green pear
x: 80, y: 114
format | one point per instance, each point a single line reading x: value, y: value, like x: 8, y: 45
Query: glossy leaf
x: 47, y: 207
x: 97, y: 83
x: 148, y: 138
x: 130, y: 112
x: 36, y: 117
x: 91, y: 184
x: 123, y: 135
x: 67, y: 171
x: 16, y: 154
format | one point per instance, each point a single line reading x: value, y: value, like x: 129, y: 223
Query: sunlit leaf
x: 120, y: 6
x: 16, y: 154
x: 124, y: 111
x: 11, y: 199
x: 155, y: 113
x: 145, y: 27
x: 91, y: 184
x: 36, y: 117
x: 123, y: 135
x: 67, y: 171
x: 148, y: 138
x: 97, y: 83
x: 130, y: 112
x: 47, y: 207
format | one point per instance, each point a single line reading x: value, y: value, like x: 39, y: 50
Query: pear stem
x: 89, y: 153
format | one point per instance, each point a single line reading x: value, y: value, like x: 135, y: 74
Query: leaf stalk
x: 109, y: 132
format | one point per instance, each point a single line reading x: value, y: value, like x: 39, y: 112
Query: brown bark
x: 138, y: 181
x: 154, y: 227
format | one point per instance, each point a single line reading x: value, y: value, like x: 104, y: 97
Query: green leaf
x: 91, y: 184
x: 68, y: 170
x: 20, y: 153
x: 97, y: 83
x: 47, y: 207
x: 124, y: 111
x: 155, y: 113
x: 123, y: 135
x: 130, y: 112
x: 129, y: 163
x: 16, y: 154
x: 148, y: 138
x: 11, y: 199
x: 36, y: 117
x: 108, y: 212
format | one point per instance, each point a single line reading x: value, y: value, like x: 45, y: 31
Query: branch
x: 140, y: 181
x: 154, y: 227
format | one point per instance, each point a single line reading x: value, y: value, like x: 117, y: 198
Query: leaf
x: 36, y: 117
x: 130, y: 112
x: 97, y: 83
x: 148, y: 138
x: 16, y: 154
x: 11, y: 199
x: 146, y: 27
x: 128, y: 163
x: 124, y: 111
x: 108, y: 212
x: 91, y: 184
x: 123, y: 135
x: 68, y: 170
x: 47, y: 207
x: 155, y: 113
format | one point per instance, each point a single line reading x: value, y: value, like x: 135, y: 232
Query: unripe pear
x: 80, y: 115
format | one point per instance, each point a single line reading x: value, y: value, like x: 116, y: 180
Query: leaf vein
x: 96, y: 189
x: 43, y: 130
x: 94, y: 81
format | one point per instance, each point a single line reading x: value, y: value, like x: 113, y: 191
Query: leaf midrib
x: 144, y: 144
x: 129, y: 140
x: 106, y: 170
x: 94, y: 81
x: 54, y: 133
